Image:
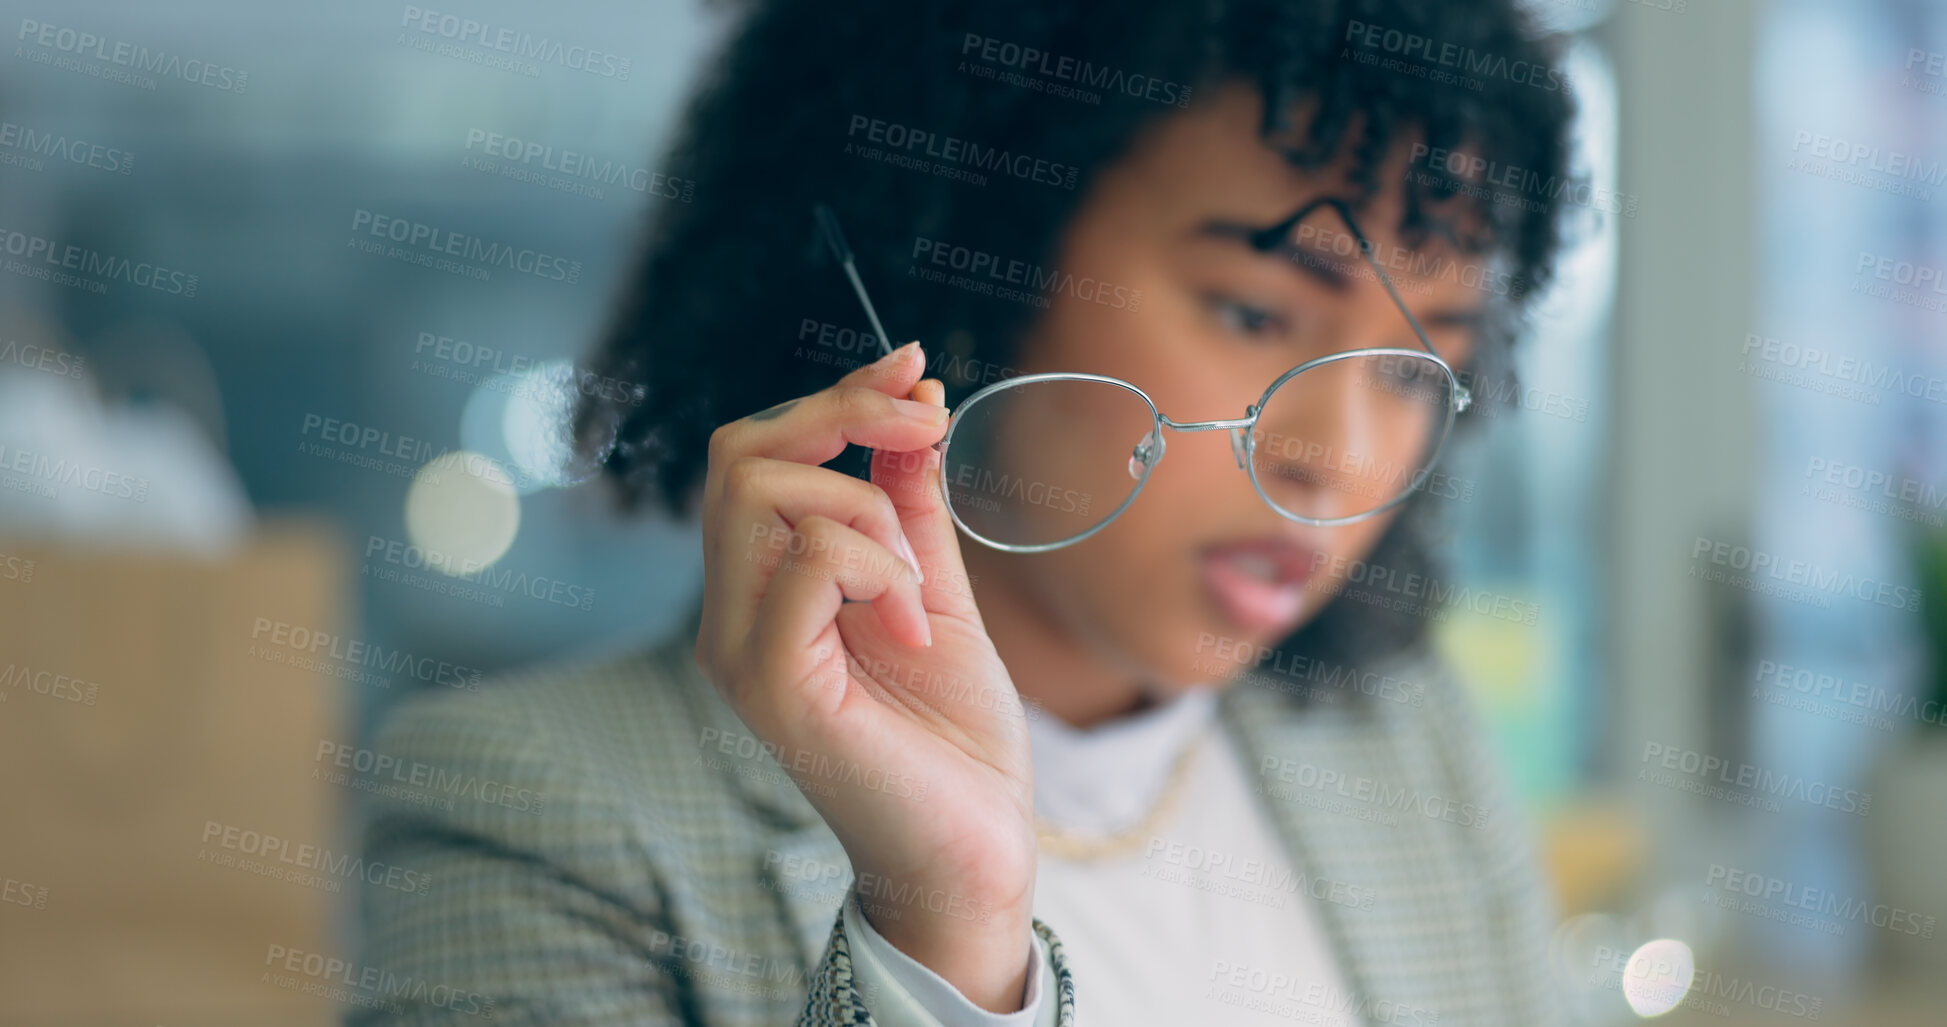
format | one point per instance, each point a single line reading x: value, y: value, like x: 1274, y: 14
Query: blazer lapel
x: 799, y: 870
x: 763, y: 784
x: 795, y: 861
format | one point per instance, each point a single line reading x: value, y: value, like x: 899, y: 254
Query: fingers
x: 893, y: 374
x: 826, y: 564
x: 912, y: 480
x: 763, y: 501
x: 763, y: 484
x: 815, y: 428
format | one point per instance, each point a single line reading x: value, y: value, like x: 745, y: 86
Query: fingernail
x: 927, y: 412
x: 906, y: 550
x: 897, y: 355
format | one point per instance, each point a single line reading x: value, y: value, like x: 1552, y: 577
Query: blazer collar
x: 765, y: 786
x: 793, y: 858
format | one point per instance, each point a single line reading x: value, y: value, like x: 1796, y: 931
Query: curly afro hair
x: 709, y: 324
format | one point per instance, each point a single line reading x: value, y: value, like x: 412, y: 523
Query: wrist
x: 986, y: 960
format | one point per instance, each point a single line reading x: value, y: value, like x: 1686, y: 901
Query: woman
x: 1198, y: 766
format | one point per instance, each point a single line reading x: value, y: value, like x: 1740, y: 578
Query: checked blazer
x: 664, y: 870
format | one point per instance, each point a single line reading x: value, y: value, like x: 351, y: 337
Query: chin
x: 1193, y: 653
x: 1221, y: 651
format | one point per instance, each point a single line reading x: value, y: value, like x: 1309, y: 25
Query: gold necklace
x: 1062, y: 843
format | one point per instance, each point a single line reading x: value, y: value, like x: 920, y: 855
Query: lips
x: 1259, y: 584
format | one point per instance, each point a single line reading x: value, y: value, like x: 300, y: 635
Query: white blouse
x: 1205, y: 921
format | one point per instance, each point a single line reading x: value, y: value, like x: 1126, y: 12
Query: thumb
x: 912, y: 479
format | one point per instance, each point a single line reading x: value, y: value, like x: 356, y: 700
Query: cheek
x: 1134, y: 594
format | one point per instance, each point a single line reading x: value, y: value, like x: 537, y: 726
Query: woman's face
x: 1198, y: 564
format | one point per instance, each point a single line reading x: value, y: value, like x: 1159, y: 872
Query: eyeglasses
x: 1042, y: 461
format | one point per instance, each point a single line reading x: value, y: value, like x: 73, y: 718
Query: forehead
x: 1213, y: 163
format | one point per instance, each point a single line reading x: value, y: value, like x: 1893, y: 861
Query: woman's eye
x: 1246, y: 320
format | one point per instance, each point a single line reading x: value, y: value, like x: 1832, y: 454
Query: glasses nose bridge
x: 1241, y: 442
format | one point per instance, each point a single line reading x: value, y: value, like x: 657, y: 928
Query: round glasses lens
x: 1042, y: 462
x: 1348, y: 437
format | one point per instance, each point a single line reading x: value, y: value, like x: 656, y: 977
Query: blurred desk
x: 160, y: 799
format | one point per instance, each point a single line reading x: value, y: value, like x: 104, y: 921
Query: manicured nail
x: 897, y: 355
x: 928, y: 413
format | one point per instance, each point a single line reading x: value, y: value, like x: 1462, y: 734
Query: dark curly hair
x: 708, y: 329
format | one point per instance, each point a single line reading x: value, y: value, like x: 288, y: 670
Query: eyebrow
x: 1320, y: 267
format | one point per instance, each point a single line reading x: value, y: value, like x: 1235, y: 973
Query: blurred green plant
x: 1930, y: 559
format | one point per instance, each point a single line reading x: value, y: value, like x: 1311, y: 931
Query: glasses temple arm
x: 1464, y: 395
x: 835, y: 239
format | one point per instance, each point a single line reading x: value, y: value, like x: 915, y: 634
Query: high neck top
x: 1106, y: 778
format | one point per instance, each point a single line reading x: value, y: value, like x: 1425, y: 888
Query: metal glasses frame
x: 1151, y: 449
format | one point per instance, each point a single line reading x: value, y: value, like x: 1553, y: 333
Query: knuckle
x: 743, y: 475
x: 815, y: 526
x: 820, y: 539
x: 722, y: 443
x: 854, y: 402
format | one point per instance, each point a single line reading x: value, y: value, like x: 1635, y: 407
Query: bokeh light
x: 1657, y: 976
x: 462, y: 509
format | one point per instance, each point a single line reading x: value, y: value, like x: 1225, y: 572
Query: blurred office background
x: 1726, y: 370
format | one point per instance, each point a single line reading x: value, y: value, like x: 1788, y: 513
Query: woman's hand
x: 896, y: 719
